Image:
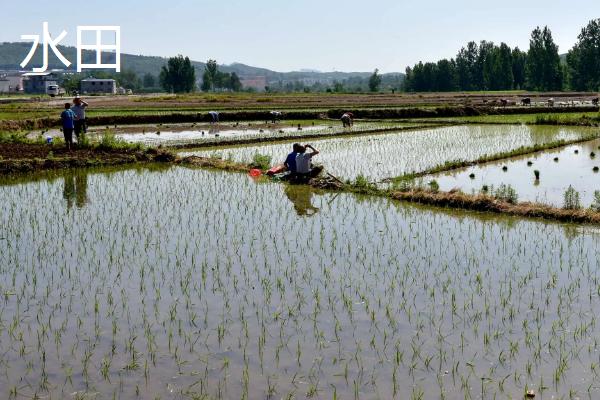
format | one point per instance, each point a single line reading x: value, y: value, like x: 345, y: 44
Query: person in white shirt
x: 304, y: 168
x: 78, y: 108
x: 214, y: 115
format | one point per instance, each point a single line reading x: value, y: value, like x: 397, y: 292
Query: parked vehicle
x: 54, y: 90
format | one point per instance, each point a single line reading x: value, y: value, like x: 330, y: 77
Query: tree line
x: 487, y: 66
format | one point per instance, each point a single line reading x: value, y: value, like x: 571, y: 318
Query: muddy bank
x: 466, y: 111
x: 489, y: 204
x: 232, y: 116
x: 20, y: 157
x: 214, y: 163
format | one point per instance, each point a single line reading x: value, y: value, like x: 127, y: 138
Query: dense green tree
x: 210, y: 76
x: 213, y: 79
x: 543, y: 68
x: 128, y: 79
x: 149, y: 81
x: 446, y: 79
x: 583, y: 60
x: 375, y: 81
x: 234, y: 82
x: 519, y: 59
x: 71, y: 82
x: 482, y: 76
x: 466, y: 66
x: 178, y: 75
x: 497, y: 68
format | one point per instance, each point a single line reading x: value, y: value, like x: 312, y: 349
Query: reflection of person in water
x: 75, y: 189
x: 301, y: 197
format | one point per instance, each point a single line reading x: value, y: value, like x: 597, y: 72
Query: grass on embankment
x: 19, y: 154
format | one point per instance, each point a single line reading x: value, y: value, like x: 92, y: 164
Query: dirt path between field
x: 25, y: 157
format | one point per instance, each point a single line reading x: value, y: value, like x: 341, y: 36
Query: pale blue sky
x: 286, y: 35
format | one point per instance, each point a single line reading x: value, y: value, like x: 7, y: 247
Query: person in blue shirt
x: 68, y: 124
x: 290, y: 161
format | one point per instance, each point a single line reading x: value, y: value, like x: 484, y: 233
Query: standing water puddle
x: 568, y: 166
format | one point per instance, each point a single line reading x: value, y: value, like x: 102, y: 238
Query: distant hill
x: 12, y: 54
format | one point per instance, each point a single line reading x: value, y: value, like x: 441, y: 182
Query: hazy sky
x: 286, y: 35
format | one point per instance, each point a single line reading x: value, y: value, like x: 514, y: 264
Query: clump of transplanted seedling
x: 404, y: 185
x: 261, y: 161
x: 505, y: 168
x: 596, y: 202
x: 505, y: 193
x: 571, y: 199
x: 536, y: 173
x: 529, y: 163
x: 472, y: 175
x: 596, y: 168
x: 592, y: 155
x: 433, y: 185
x: 362, y: 184
x: 555, y: 159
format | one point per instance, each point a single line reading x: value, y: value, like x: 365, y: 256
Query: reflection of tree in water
x: 301, y: 196
x: 75, y: 189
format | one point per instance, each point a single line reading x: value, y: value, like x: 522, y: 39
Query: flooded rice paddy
x: 389, y: 155
x: 180, y: 283
x: 187, y: 134
x: 577, y: 166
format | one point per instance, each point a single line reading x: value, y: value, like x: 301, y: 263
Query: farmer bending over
x: 214, y: 117
x: 347, y: 119
x: 68, y: 124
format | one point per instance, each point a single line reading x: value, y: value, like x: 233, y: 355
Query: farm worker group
x: 73, y: 120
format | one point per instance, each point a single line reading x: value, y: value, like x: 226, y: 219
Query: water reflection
x: 75, y: 189
x: 301, y: 198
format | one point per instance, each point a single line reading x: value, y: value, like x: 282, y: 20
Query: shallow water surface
x: 175, y: 283
x: 568, y: 166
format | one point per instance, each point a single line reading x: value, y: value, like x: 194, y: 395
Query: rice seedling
x: 390, y: 155
x: 506, y: 193
x: 571, y: 199
x: 596, y: 207
x: 163, y: 284
x: 234, y: 133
